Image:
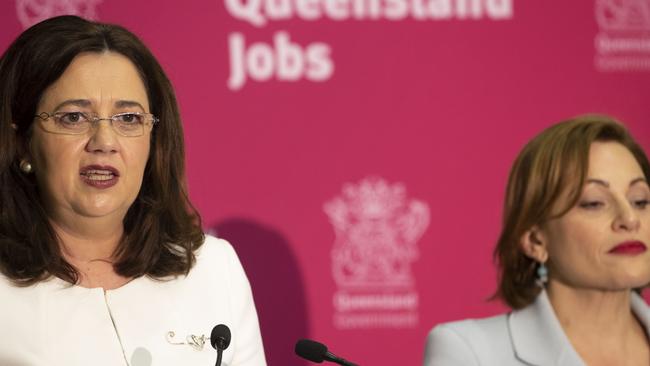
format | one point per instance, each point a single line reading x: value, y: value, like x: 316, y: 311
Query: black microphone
x: 220, y: 340
x: 317, y: 352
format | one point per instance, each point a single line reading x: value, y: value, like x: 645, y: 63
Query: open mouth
x: 99, y: 176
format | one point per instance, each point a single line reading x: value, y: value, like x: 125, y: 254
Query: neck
x: 88, y: 239
x: 585, y: 312
x: 89, y: 245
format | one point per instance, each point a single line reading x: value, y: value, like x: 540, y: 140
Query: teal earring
x: 542, y: 275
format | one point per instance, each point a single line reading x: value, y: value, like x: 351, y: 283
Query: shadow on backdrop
x: 277, y: 284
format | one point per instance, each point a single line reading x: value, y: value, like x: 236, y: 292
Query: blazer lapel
x: 641, y: 310
x: 538, y: 338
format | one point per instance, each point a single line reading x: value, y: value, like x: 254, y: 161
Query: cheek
x: 575, y: 242
x: 645, y: 226
x: 56, y: 159
x: 137, y: 158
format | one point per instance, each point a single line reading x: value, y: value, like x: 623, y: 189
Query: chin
x: 632, y: 280
x: 97, y: 213
x: 100, y: 210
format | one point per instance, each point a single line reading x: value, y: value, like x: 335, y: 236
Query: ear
x: 22, y: 146
x: 533, y: 243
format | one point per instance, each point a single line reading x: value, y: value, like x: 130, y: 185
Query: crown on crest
x: 373, y: 198
x: 623, y: 14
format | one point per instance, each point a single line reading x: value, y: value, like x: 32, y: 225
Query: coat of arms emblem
x: 613, y: 15
x: 30, y: 12
x: 623, y: 40
x: 377, y: 228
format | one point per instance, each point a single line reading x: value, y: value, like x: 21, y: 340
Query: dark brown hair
x: 552, y: 165
x: 162, y: 230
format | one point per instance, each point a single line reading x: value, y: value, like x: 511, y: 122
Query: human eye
x: 591, y: 204
x: 641, y: 203
x: 129, y: 123
x: 129, y: 119
x: 71, y: 118
x: 640, y: 196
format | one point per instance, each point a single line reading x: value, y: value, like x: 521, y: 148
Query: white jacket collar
x: 641, y: 310
x: 538, y: 337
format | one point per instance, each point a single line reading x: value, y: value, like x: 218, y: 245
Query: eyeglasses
x: 129, y: 124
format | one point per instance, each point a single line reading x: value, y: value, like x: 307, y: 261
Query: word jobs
x: 283, y: 60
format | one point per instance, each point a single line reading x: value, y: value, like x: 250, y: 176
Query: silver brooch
x: 196, y: 342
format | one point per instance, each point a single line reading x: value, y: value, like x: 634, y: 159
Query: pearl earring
x: 25, y: 166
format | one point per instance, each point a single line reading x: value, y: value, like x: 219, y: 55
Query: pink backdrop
x: 437, y: 102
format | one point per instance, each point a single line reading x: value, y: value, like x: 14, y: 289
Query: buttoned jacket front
x: 147, y: 322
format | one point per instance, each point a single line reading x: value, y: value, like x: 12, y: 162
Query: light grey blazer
x: 530, y: 336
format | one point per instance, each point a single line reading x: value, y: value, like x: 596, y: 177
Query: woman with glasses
x: 102, y: 257
x: 572, y: 256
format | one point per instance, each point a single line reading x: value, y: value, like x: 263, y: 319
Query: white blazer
x: 146, y: 322
x: 530, y: 336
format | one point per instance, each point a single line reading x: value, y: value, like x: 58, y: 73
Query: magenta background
x: 443, y: 107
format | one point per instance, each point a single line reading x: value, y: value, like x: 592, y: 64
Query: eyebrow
x: 87, y: 103
x: 606, y: 184
x: 638, y: 180
x: 75, y: 102
x: 128, y: 103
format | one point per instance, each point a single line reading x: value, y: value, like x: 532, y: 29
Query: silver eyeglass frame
x: 94, y: 119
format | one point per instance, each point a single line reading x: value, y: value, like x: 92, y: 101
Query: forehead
x: 101, y: 78
x: 608, y: 161
x: 613, y: 162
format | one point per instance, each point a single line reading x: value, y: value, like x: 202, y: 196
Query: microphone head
x: 311, y: 350
x: 220, y: 337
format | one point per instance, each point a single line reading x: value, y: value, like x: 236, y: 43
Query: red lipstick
x: 99, y: 176
x: 629, y: 248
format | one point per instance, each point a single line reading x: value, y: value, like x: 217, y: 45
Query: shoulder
x: 216, y: 260
x: 468, y: 342
x: 215, y: 249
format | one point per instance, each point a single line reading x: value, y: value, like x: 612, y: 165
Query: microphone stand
x: 329, y: 356
x: 219, y: 354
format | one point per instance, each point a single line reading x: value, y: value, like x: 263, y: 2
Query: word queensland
x: 283, y: 60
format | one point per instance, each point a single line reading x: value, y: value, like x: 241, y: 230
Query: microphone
x: 220, y: 340
x: 317, y: 352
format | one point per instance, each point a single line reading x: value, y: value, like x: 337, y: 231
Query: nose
x: 627, y: 219
x: 103, y: 138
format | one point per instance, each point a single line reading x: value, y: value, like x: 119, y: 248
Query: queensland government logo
x: 377, y: 228
x: 30, y: 12
x: 623, y: 40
